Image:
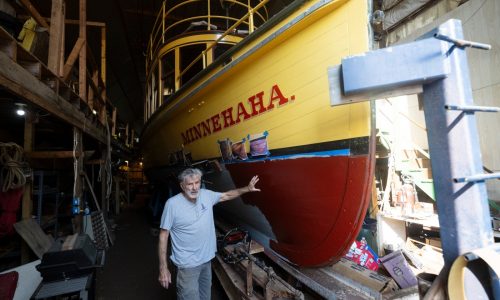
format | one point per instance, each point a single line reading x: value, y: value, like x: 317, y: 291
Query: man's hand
x: 229, y: 195
x: 165, y: 278
x: 253, y: 182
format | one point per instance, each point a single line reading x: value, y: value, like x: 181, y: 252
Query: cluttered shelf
x: 430, y: 221
x: 395, y: 229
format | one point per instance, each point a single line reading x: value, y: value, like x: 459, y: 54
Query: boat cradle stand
x: 435, y: 66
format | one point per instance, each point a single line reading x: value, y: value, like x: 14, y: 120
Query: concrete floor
x: 131, y: 268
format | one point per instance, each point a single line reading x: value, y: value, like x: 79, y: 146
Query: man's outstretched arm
x: 164, y: 278
x: 229, y: 195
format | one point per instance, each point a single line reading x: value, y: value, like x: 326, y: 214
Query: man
x: 188, y: 219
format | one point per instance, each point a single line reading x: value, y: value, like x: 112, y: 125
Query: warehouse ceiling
x: 128, y: 24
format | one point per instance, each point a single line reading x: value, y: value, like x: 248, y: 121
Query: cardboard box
x: 364, y: 276
x: 396, y: 264
x: 363, y: 255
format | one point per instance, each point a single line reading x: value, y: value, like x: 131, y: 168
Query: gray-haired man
x: 188, y: 219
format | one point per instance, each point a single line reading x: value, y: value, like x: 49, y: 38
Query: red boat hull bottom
x: 311, y: 208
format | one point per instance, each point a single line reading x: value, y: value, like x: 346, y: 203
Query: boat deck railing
x: 167, y: 26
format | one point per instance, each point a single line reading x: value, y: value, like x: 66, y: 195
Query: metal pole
x: 454, y: 149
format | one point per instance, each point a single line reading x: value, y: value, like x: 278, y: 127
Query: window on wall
x: 220, y: 50
x: 188, y: 54
x: 168, y: 75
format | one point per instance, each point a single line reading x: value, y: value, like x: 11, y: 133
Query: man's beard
x: 193, y: 194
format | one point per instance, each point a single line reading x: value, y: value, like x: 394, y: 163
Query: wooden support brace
x: 57, y: 154
x: 56, y: 37
x: 34, y: 13
x: 249, y: 283
x: 82, y: 74
x: 8, y: 45
x: 113, y: 119
x: 72, y: 58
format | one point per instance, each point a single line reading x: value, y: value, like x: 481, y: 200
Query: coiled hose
x: 12, y: 163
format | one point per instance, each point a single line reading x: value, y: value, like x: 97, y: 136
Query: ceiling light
x: 20, y: 109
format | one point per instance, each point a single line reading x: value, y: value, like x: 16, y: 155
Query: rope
x: 12, y: 162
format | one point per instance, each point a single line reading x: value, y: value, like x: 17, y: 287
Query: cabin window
x: 221, y: 49
x: 168, y: 75
x: 153, y: 83
x: 187, y: 55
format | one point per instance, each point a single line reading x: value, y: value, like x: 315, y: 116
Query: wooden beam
x: 95, y: 162
x: 20, y: 82
x: 113, y: 119
x: 127, y: 135
x: 82, y: 74
x: 69, y: 21
x: 103, y: 58
x: 72, y: 58
x: 56, y: 154
x: 95, y: 80
x: 94, y: 92
x: 27, y: 204
x: 104, y: 182
x: 56, y: 38
x: 34, y: 13
x: 28, y: 146
x: 78, y: 188
x: 88, y: 23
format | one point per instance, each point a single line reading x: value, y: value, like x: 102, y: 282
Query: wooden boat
x: 269, y: 86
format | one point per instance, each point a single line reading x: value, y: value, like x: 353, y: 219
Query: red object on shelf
x: 10, y: 201
x: 8, y: 285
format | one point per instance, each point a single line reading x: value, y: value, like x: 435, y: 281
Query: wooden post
x: 82, y: 74
x: 113, y: 118
x: 104, y: 183
x: 103, y: 58
x: 103, y: 113
x: 91, y: 96
x: 75, y: 52
x: 78, y: 192
x: 56, y: 39
x: 27, y: 204
x: 127, y: 129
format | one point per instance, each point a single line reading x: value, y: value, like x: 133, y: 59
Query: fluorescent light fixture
x: 20, y: 109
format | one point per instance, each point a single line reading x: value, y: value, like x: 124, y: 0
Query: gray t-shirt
x: 191, y: 227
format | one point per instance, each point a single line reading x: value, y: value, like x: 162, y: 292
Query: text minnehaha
x: 234, y: 115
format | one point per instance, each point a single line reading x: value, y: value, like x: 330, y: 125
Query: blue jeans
x: 194, y: 283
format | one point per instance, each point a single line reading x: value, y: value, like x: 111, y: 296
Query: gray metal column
x: 454, y: 149
x: 435, y: 65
